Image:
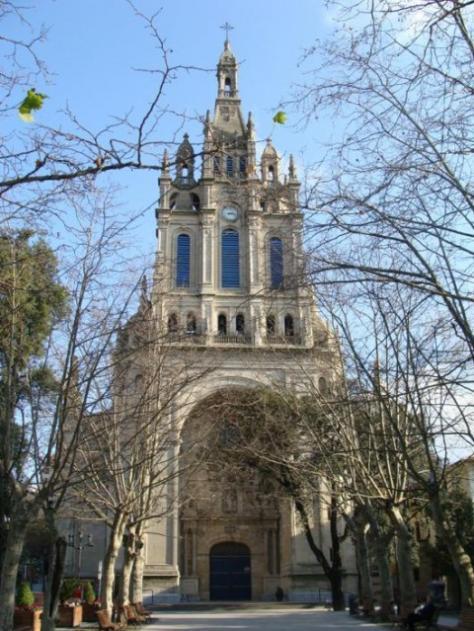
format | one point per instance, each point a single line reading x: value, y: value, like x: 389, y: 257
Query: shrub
x: 25, y: 597
x: 68, y: 588
x: 89, y: 593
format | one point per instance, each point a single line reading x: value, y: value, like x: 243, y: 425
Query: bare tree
x: 129, y: 454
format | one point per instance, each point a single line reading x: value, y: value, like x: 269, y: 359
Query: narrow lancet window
x: 183, y: 256
x: 230, y: 259
x: 276, y: 262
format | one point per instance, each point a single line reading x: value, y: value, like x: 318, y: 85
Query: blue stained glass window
x: 183, y: 257
x: 230, y: 259
x: 230, y: 166
x: 276, y: 262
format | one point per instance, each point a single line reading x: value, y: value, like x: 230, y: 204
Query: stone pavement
x: 276, y: 619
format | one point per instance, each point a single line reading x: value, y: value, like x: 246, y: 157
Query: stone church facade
x: 228, y: 294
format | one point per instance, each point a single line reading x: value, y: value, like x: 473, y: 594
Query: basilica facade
x: 229, y: 288
x: 229, y: 297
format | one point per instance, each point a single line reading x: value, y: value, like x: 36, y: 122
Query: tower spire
x: 227, y: 27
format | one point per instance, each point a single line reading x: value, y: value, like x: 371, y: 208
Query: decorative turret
x: 227, y: 73
x: 165, y: 181
x: 185, y: 162
x: 269, y: 163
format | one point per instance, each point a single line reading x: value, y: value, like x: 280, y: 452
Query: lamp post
x: 78, y: 541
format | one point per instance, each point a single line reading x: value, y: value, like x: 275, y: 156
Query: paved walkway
x: 284, y: 619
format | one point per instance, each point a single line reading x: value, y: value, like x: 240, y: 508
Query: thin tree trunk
x: 129, y: 557
x: 11, y: 561
x: 57, y: 558
x: 461, y: 561
x: 380, y: 544
x: 362, y: 555
x: 333, y: 572
x: 137, y: 575
x: 110, y: 559
x: 408, y: 599
x: 380, y: 541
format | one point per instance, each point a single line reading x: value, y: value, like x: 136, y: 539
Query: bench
x: 466, y: 620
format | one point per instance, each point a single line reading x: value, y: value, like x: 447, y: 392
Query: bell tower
x: 230, y: 295
x: 230, y: 254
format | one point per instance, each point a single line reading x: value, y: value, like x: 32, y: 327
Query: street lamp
x: 79, y: 541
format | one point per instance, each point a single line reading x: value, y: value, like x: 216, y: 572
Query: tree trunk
x: 366, y: 596
x: 129, y: 557
x: 333, y: 572
x: 461, y: 561
x: 380, y: 544
x: 408, y: 599
x: 137, y: 575
x: 110, y: 559
x: 57, y: 558
x: 11, y: 561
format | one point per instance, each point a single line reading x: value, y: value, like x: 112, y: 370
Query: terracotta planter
x: 89, y: 612
x: 69, y: 616
x: 28, y: 618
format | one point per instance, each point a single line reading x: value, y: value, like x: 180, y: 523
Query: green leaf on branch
x: 280, y: 118
x: 32, y: 101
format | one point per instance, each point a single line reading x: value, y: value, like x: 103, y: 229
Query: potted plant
x: 26, y: 614
x: 90, y: 604
x: 70, y: 609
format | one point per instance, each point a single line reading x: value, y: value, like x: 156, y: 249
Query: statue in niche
x: 229, y: 501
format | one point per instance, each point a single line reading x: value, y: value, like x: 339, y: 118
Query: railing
x: 186, y: 337
x: 293, y: 340
x: 239, y: 338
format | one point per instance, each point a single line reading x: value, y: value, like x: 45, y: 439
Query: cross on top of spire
x: 227, y: 27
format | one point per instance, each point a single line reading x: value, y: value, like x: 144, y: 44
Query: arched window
x: 271, y: 173
x: 195, y: 201
x: 289, y: 326
x: 322, y: 386
x: 240, y: 324
x: 227, y: 86
x: 229, y: 166
x: 271, y: 328
x: 184, y: 172
x: 191, y: 324
x: 230, y: 258
x: 222, y: 324
x: 242, y: 165
x: 183, y: 258
x: 276, y: 262
x: 172, y: 323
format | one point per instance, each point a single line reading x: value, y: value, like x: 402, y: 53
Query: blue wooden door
x: 230, y: 575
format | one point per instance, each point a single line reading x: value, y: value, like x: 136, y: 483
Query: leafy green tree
x: 31, y: 300
x: 25, y: 596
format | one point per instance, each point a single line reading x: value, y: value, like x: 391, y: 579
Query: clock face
x: 230, y: 214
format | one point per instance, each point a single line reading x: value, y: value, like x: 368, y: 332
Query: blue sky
x: 93, y: 47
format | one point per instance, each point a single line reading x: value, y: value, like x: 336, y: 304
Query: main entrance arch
x: 230, y: 572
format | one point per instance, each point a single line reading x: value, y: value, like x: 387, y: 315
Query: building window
x: 172, y: 323
x: 242, y: 165
x: 271, y: 173
x: 322, y: 386
x: 289, y: 326
x: 217, y: 164
x: 222, y: 324
x: 173, y: 199
x: 271, y: 325
x: 229, y: 166
x: 240, y: 324
x: 276, y: 262
x: 183, y: 255
x: 230, y: 258
x: 227, y: 86
x: 195, y: 201
x: 191, y: 324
